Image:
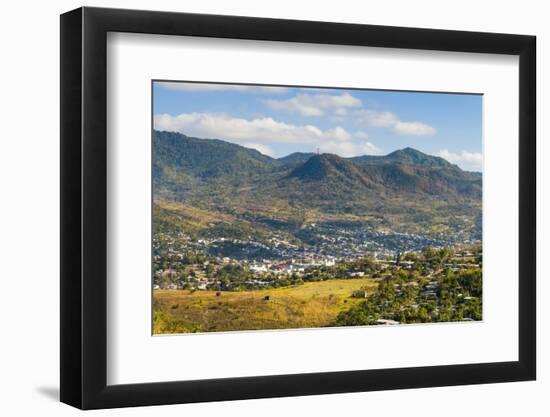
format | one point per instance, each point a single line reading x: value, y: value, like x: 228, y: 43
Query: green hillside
x: 405, y: 191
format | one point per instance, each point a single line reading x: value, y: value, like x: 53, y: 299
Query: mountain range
x: 406, y: 190
x: 180, y: 160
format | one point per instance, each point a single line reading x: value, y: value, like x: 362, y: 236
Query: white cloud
x: 337, y: 107
x: 390, y: 120
x: 361, y: 134
x: 338, y: 133
x: 349, y: 149
x: 316, y: 104
x: 371, y: 149
x: 413, y: 128
x: 470, y: 161
x: 266, y: 150
x: 264, y: 130
x: 260, y: 133
x: 346, y: 105
x: 183, y: 86
x: 378, y: 118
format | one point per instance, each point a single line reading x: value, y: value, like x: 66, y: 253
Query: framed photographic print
x: 257, y: 208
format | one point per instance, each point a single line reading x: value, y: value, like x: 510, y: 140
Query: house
x: 295, y: 268
x: 258, y: 268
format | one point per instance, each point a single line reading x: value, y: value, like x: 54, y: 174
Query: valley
x: 232, y: 226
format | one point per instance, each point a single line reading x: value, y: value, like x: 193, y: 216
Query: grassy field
x: 313, y: 304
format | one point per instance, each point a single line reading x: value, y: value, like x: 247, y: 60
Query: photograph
x: 246, y: 208
x: 285, y: 207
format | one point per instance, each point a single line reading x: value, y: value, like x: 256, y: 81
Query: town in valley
x: 288, y: 207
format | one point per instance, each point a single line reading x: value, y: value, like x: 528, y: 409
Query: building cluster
x: 180, y: 261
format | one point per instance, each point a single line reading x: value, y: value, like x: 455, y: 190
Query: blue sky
x: 280, y: 120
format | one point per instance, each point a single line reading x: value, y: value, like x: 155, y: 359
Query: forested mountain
x: 205, y: 157
x: 181, y: 162
x: 405, y: 190
x: 296, y: 158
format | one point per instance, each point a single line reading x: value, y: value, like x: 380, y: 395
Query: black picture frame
x: 84, y: 207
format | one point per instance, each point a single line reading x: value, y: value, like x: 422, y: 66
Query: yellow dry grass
x: 313, y: 304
